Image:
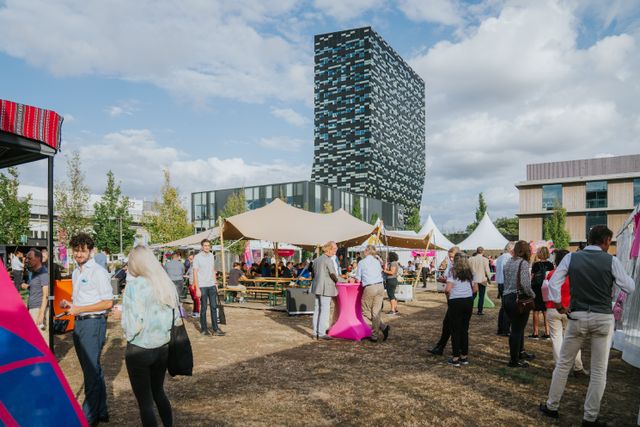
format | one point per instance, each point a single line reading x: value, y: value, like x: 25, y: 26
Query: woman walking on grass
x: 539, y: 271
x: 460, y: 290
x: 392, y: 282
x: 150, y: 306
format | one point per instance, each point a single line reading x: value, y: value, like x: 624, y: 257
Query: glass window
x: 595, y: 218
x: 596, y: 194
x: 636, y: 191
x: 317, y: 195
x: 269, y: 192
x: 551, y: 196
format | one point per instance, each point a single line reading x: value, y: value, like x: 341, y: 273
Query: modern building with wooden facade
x: 593, y: 191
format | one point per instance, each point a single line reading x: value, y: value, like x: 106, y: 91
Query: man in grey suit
x: 324, y: 288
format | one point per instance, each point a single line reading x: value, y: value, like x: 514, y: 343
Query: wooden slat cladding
x: 576, y: 226
x: 530, y: 229
x: 574, y: 197
x: 530, y: 200
x: 620, y: 195
x: 587, y: 167
x: 615, y: 222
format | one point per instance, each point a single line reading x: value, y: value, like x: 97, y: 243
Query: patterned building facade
x: 369, y: 118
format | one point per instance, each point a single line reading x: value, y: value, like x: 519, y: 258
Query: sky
x: 220, y: 93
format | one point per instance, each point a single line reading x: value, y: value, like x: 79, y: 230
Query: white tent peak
x: 486, y: 235
x: 438, y: 237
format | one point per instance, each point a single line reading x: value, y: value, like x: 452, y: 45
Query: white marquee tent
x: 438, y: 237
x: 486, y: 235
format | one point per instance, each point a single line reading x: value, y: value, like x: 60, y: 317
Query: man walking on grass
x: 204, y: 282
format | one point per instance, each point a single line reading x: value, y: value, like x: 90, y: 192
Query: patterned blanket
x: 31, y: 122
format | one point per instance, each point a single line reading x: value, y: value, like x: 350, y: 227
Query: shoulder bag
x: 180, y: 353
x: 524, y: 303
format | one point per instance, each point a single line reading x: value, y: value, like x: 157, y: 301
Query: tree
x: 169, y: 220
x: 14, y: 213
x: 327, y: 207
x: 555, y: 228
x: 508, y: 227
x: 111, y: 215
x: 357, y: 210
x: 71, y: 199
x: 374, y: 218
x: 236, y: 204
x: 413, y: 220
x: 480, y: 211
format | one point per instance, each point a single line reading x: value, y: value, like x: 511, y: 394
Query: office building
x: 593, y: 191
x: 369, y: 117
x: 207, y: 206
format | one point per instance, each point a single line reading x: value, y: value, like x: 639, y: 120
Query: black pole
x: 50, y: 264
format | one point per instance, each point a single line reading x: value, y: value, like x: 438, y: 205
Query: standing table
x: 350, y: 324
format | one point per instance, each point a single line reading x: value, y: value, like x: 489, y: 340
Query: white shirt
x: 369, y: 271
x: 91, y: 285
x: 622, y: 279
x: 460, y: 289
x: 16, y: 264
x: 206, y: 270
x: 338, y: 268
x: 502, y: 259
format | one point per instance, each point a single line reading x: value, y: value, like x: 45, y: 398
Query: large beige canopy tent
x: 194, y: 240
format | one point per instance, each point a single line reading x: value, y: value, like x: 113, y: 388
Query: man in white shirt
x: 481, y: 275
x: 592, y: 275
x: 504, y: 326
x: 92, y: 297
x: 204, y: 281
x: 369, y: 274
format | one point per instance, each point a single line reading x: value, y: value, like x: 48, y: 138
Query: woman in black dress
x: 539, y: 271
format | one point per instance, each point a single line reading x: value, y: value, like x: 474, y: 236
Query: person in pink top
x: 558, y: 321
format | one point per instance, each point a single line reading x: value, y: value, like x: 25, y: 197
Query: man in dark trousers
x: 92, y: 297
x: 504, y: 326
x: 438, y: 349
x: 592, y: 275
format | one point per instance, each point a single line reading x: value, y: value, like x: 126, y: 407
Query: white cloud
x: 290, y: 116
x: 68, y: 118
x: 341, y: 10
x: 282, y: 143
x: 195, y: 50
x: 124, y: 108
x: 517, y: 89
x: 445, y: 12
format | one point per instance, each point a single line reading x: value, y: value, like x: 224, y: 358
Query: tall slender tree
x: 14, y: 213
x: 168, y: 221
x: 357, y: 210
x: 71, y: 199
x: 480, y: 211
x: 555, y: 228
x: 413, y: 220
x: 111, y: 219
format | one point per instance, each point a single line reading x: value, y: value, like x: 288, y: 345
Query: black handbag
x: 222, y: 319
x: 524, y: 303
x: 60, y: 326
x: 180, y: 353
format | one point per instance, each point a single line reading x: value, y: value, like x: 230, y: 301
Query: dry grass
x: 268, y: 371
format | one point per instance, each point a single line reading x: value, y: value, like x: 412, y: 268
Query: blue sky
x: 221, y: 92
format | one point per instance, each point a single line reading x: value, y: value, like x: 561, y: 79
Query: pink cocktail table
x: 350, y: 324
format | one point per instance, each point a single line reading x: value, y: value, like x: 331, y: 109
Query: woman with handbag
x: 392, y: 282
x: 149, y: 310
x: 460, y: 290
x: 539, y: 271
x: 518, y: 300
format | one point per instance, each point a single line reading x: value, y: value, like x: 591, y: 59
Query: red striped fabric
x: 31, y: 122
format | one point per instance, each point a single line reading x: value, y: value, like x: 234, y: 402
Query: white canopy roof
x: 486, y: 235
x: 438, y: 237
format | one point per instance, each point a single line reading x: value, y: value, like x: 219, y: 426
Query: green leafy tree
x: 71, y: 199
x: 508, y: 227
x: 327, y: 207
x: 413, y: 220
x: 168, y: 221
x: 374, y: 218
x: 14, y: 213
x: 555, y: 228
x: 111, y: 216
x: 357, y: 210
x: 480, y: 211
x: 236, y: 204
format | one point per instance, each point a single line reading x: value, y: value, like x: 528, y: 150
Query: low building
x: 206, y: 206
x: 593, y: 191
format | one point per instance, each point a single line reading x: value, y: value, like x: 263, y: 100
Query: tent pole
x: 277, y: 258
x: 50, y: 264
x: 224, y: 269
x: 426, y: 259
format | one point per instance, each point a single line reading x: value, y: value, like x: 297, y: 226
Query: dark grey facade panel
x: 586, y: 167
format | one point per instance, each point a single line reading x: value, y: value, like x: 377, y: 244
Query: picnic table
x: 272, y: 287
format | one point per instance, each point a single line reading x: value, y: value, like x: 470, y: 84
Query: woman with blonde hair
x: 539, y: 271
x: 460, y: 290
x: 150, y: 306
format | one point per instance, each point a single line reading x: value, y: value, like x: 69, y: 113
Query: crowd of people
x: 569, y: 293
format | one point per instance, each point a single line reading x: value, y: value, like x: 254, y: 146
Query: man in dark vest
x: 592, y: 275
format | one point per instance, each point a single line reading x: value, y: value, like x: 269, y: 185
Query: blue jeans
x: 88, y: 339
x: 210, y: 297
